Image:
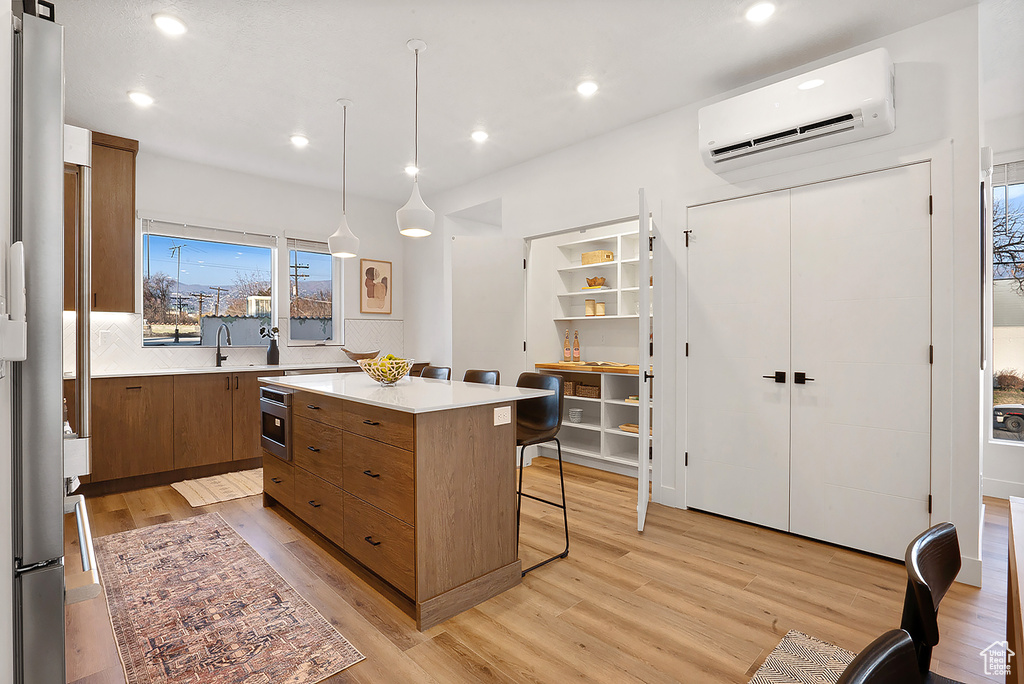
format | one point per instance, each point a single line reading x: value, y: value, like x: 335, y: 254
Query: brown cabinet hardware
x: 134, y: 387
x: 314, y: 504
x: 276, y: 480
x: 370, y: 539
x: 371, y: 422
x: 371, y: 473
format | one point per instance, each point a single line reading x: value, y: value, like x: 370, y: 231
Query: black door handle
x: 276, y: 480
x: 800, y: 378
x: 313, y: 407
x: 370, y: 539
x: 314, y: 504
x: 780, y: 377
x: 371, y: 422
x: 371, y: 473
x: 313, y: 449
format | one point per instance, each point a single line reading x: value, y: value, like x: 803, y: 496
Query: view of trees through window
x: 1008, y: 306
x: 311, y: 301
x: 190, y: 287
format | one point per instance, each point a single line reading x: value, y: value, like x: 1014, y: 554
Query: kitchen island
x: 415, y: 482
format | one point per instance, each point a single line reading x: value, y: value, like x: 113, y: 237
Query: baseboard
x: 127, y: 484
x: 1001, y: 489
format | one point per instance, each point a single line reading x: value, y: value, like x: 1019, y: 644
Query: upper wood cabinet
x: 113, y: 223
x: 70, y: 235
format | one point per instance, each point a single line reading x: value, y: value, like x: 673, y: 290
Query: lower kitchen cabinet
x: 202, y: 419
x: 245, y: 414
x: 132, y: 426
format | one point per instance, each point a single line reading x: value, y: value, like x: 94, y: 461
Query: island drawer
x: 320, y: 504
x: 318, y: 448
x: 382, y: 543
x: 328, y: 410
x: 383, y: 425
x: 279, y: 480
x: 381, y: 475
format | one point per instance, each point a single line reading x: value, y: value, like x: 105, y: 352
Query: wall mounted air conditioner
x: 834, y: 105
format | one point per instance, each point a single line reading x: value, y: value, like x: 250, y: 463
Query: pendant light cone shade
x: 343, y: 243
x: 416, y: 219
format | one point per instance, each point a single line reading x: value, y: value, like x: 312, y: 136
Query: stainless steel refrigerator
x: 40, y: 489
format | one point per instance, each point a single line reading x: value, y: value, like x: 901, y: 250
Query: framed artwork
x: 375, y: 286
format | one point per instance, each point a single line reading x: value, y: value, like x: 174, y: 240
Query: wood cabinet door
x: 245, y: 420
x: 202, y: 419
x: 70, y: 235
x: 113, y: 223
x: 131, y: 426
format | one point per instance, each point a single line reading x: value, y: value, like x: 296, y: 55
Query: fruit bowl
x: 357, y: 355
x: 386, y: 370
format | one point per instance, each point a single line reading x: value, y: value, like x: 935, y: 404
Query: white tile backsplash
x: 117, y: 346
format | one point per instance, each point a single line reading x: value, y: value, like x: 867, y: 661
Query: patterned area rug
x: 802, y: 659
x: 210, y: 490
x: 191, y: 601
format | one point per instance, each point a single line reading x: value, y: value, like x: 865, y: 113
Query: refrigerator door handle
x: 84, y: 586
x: 13, y: 329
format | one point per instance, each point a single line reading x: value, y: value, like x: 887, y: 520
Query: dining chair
x: 484, y: 377
x: 436, y: 372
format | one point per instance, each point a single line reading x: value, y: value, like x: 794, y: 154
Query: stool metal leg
x: 519, y: 494
x: 563, y: 506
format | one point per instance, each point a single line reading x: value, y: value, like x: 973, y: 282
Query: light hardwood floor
x: 695, y: 598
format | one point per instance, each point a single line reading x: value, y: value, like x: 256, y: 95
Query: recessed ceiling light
x: 140, y: 98
x: 760, y: 12
x: 479, y: 136
x: 411, y: 169
x: 587, y: 88
x: 169, y: 24
x: 813, y: 83
x: 299, y: 140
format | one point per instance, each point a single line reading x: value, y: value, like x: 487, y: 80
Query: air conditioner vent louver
x: 851, y: 100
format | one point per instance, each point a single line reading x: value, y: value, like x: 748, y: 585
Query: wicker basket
x: 599, y: 256
x: 568, y: 387
x: 589, y: 391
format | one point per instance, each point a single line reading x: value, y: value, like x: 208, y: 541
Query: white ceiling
x: 249, y: 73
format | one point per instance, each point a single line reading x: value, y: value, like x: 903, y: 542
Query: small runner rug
x: 191, y: 601
x: 211, y: 490
x: 802, y: 659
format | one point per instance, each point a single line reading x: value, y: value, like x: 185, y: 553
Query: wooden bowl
x: 357, y: 356
x: 599, y: 281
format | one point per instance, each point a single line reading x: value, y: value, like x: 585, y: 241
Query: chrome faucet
x: 222, y: 357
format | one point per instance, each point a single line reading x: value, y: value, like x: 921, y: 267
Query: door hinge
x: 931, y: 204
x: 524, y: 345
x: 686, y: 458
x: 931, y: 353
x: 651, y: 351
x: 687, y: 234
x: 650, y: 452
x: 524, y: 264
x: 687, y: 349
x: 650, y: 243
x: 929, y: 504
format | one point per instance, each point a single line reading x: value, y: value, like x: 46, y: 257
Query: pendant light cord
x: 344, y: 155
x: 416, y: 118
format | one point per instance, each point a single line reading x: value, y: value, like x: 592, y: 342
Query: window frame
x: 294, y: 244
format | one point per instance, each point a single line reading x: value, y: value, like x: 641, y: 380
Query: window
x: 314, y: 294
x: 196, y: 279
x: 1008, y: 302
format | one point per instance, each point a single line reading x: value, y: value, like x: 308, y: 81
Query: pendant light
x: 416, y: 219
x: 343, y: 244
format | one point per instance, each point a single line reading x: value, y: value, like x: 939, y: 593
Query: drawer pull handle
x: 371, y: 422
x: 371, y: 473
x: 314, y: 504
x: 313, y: 407
x: 370, y: 539
x: 134, y: 387
x: 313, y: 449
x: 276, y: 480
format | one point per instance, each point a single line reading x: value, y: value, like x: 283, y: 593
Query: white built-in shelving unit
x: 621, y: 292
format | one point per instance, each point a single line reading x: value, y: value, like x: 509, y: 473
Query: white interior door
x: 861, y: 328
x: 646, y: 375
x: 488, y: 305
x: 738, y: 320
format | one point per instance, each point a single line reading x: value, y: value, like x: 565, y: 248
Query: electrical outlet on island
x: 503, y: 415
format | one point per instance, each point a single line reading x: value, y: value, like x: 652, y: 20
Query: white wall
x: 937, y: 115
x: 6, y: 537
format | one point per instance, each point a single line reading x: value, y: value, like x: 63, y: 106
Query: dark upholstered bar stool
x: 538, y: 421
x: 484, y: 377
x: 933, y: 561
x: 436, y: 372
x: 889, y: 659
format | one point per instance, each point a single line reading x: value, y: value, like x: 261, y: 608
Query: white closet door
x: 861, y: 328
x: 644, y: 347
x: 738, y: 317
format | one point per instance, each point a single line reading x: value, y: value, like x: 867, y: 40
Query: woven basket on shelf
x: 589, y: 391
x: 598, y: 256
x: 568, y: 388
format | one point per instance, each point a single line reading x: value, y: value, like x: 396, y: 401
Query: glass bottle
x: 576, y: 347
x: 566, y: 349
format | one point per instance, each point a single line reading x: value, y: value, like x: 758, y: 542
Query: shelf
x: 592, y: 454
x: 588, y: 293
x: 620, y: 402
x: 572, y: 396
x: 589, y: 241
x: 569, y: 269
x: 635, y: 260
x: 587, y: 318
x: 582, y: 426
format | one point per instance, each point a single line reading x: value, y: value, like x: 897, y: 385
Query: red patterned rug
x: 191, y: 601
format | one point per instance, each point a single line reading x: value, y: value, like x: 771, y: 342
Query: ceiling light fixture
x: 343, y: 243
x: 479, y: 136
x: 140, y: 98
x: 416, y: 219
x: 760, y: 12
x: 169, y: 24
x: 587, y: 88
x: 813, y: 83
x: 299, y: 140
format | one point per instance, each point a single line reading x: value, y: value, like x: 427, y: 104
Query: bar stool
x: 484, y: 377
x: 538, y: 421
x: 436, y: 372
x: 933, y: 561
x: 889, y: 659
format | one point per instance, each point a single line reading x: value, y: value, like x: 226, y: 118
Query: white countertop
x: 214, y: 369
x: 412, y: 395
